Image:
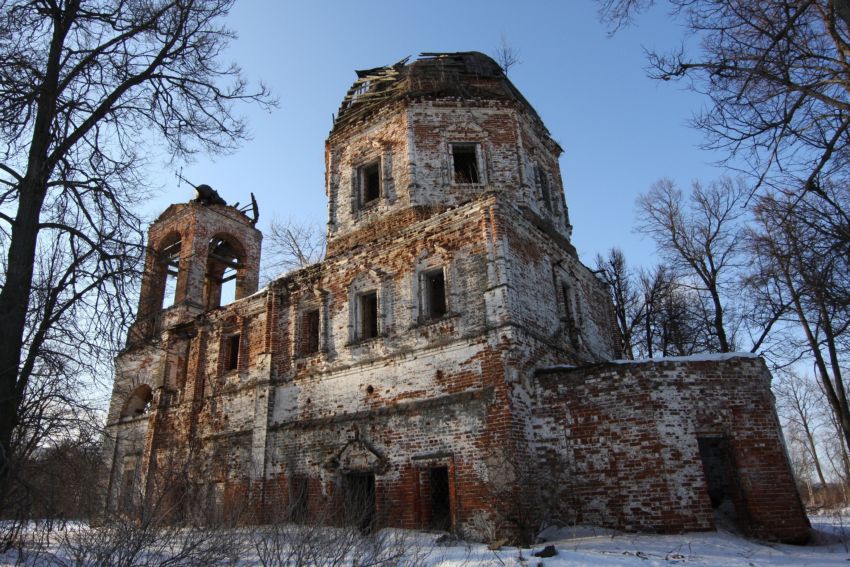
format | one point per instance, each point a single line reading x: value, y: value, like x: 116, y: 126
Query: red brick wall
x: 627, y: 435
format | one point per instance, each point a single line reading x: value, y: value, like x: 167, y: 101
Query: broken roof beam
x: 229, y: 262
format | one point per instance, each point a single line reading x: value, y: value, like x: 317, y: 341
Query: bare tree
x: 776, y: 76
x: 791, y: 254
x: 656, y: 286
x: 653, y: 285
x: 291, y: 245
x: 506, y: 55
x: 836, y: 451
x: 678, y: 330
x: 798, y: 401
x: 672, y: 318
x: 629, y: 307
x: 701, y: 241
x: 801, y: 462
x: 80, y: 84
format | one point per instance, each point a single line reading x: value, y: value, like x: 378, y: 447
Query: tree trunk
x: 648, y: 330
x: 14, y: 302
x: 14, y: 297
x: 813, y: 450
x: 718, y: 320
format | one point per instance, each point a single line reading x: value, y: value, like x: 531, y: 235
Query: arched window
x: 225, y: 271
x: 169, y: 269
x: 138, y: 403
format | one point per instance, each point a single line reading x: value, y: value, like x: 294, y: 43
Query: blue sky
x: 619, y: 129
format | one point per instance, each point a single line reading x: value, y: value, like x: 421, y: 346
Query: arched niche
x: 226, y: 271
x: 138, y: 403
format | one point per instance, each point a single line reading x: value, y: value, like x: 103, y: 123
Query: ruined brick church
x: 449, y: 364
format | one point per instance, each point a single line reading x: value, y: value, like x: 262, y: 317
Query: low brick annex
x: 446, y: 366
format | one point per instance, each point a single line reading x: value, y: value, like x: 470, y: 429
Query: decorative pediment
x: 358, y: 455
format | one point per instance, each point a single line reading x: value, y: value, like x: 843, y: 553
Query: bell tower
x: 200, y: 255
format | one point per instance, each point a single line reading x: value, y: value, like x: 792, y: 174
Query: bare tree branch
x: 700, y: 242
x: 79, y: 83
x: 291, y: 245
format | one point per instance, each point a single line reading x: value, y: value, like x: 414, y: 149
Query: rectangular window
x: 434, y: 294
x: 465, y: 163
x: 369, y: 178
x: 231, y: 360
x: 309, y: 332
x: 368, y: 315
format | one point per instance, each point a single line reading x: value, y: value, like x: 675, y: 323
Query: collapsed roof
x: 463, y: 75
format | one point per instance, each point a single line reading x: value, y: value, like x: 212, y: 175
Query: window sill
x: 367, y: 209
x: 421, y: 322
x: 229, y: 374
x: 134, y: 418
x: 366, y: 342
x: 305, y: 356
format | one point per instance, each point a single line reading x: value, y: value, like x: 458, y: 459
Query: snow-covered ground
x: 593, y: 547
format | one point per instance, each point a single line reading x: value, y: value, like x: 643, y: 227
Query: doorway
x: 720, y: 479
x: 441, y: 516
x: 359, y: 491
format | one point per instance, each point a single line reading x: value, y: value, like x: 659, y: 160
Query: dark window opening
x: 369, y: 315
x: 720, y: 477
x: 435, y: 294
x: 360, y: 500
x: 310, y: 332
x: 170, y: 257
x: 465, y: 163
x: 572, y: 323
x: 298, y: 502
x: 231, y: 361
x: 224, y: 273
x: 183, y: 368
x: 370, y: 183
x: 127, y: 488
x: 139, y: 402
x: 543, y: 182
x: 441, y: 518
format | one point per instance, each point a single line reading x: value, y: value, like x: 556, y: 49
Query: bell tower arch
x: 196, y: 251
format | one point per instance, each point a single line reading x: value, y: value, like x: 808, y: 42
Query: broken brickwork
x: 402, y: 373
x: 633, y: 437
